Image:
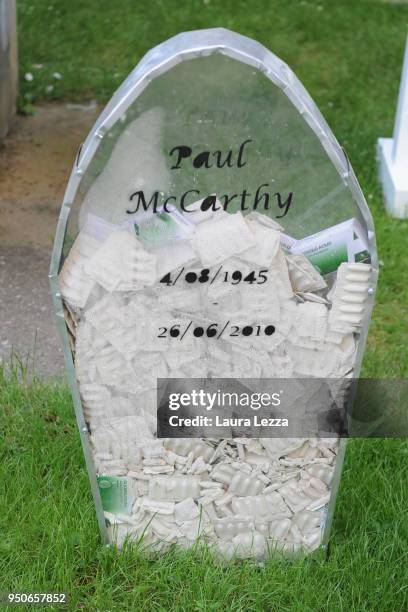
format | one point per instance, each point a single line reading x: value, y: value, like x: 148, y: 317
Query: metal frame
x: 160, y: 59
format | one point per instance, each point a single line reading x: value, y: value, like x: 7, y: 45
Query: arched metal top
x: 202, y: 43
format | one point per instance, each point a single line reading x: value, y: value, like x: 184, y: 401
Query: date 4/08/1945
x: 206, y: 275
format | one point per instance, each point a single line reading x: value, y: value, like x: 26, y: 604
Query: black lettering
x: 240, y: 163
x: 202, y: 159
x: 166, y: 201
x: 227, y: 199
x: 244, y: 196
x: 259, y: 197
x: 183, y: 152
x: 209, y: 202
x: 226, y: 162
x: 183, y: 197
x: 141, y: 197
x: 284, y: 205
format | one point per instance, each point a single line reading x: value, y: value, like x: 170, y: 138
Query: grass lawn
x: 348, y: 53
x: 50, y: 540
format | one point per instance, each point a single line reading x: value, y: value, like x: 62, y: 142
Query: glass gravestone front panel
x: 211, y: 237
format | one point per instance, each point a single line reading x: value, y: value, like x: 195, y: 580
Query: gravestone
x: 212, y: 234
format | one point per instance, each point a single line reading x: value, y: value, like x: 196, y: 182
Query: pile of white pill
x: 245, y: 497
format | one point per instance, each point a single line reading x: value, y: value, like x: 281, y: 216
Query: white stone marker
x: 393, y: 155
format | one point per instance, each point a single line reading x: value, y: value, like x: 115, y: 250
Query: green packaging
x: 115, y: 494
x: 326, y: 250
x: 154, y: 230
